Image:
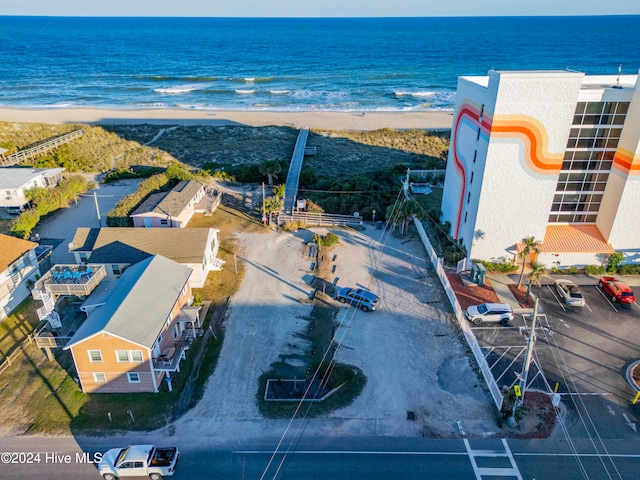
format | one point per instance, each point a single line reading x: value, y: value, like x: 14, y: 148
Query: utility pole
x: 525, y: 367
x: 95, y: 198
x: 264, y: 215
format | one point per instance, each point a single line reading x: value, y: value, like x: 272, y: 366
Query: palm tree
x: 537, y: 270
x: 409, y: 209
x: 529, y: 245
x: 270, y: 168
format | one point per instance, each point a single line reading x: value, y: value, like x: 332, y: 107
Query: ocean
x: 348, y: 64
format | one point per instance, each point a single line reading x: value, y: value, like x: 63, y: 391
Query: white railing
x: 496, y: 394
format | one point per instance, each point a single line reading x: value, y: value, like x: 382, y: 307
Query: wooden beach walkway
x: 293, y: 177
x: 39, y: 148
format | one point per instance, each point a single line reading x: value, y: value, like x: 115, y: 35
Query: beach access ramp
x: 293, y: 177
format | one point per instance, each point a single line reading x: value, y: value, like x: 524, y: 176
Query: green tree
x: 278, y: 190
x: 178, y: 173
x: 410, y: 208
x: 273, y: 204
x: 270, y: 168
x: 529, y: 245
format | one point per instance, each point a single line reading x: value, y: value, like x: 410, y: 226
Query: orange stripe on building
x: 627, y: 162
x: 533, y: 133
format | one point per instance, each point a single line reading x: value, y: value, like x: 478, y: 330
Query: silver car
x: 570, y: 293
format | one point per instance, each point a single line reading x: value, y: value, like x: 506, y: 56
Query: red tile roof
x: 574, y: 238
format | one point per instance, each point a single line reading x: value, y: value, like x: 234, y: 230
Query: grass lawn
x: 17, y: 326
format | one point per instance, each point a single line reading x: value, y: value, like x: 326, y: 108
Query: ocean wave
x: 279, y: 92
x: 245, y: 92
x: 419, y: 93
x: 251, y: 79
x: 199, y: 79
x: 151, y: 104
x: 177, y: 90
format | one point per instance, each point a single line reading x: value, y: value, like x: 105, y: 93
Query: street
x: 344, y: 458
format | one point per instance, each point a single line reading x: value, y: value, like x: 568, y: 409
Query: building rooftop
x: 12, y: 248
x: 170, y: 203
x: 132, y: 245
x: 12, y: 178
x: 560, y: 238
x: 139, y: 304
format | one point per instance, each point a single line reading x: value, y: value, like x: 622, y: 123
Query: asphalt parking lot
x: 584, y: 352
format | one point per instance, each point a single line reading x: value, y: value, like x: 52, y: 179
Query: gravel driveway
x: 409, y: 349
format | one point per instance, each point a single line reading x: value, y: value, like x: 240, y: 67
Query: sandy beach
x: 357, y: 121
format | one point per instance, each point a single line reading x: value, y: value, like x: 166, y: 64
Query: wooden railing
x: 40, y: 147
x: 319, y: 219
x: 84, y: 287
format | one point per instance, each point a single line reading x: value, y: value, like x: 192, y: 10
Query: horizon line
x: 326, y: 17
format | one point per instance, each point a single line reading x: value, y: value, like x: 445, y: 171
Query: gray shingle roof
x: 140, y: 303
x: 171, y: 203
x: 131, y: 245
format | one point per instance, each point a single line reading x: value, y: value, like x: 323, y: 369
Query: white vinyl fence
x: 457, y: 310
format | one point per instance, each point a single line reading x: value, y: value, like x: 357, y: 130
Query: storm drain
x: 411, y: 415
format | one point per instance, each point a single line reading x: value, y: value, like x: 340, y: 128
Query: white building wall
x: 619, y: 217
x: 12, y: 292
x: 515, y: 197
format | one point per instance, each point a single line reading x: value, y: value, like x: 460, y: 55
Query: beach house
x: 137, y: 329
x: 170, y: 209
x: 14, y: 182
x: 118, y: 248
x: 18, y: 265
x: 553, y: 155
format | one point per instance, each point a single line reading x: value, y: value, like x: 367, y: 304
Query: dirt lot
x: 409, y: 349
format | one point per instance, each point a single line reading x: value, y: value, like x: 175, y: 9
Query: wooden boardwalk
x: 39, y: 148
x: 293, y: 177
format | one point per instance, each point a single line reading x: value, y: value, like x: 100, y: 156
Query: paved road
x: 343, y: 458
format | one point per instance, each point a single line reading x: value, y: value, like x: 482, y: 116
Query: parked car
x: 617, y: 290
x: 358, y: 297
x: 490, y: 312
x: 570, y: 293
x: 139, y: 461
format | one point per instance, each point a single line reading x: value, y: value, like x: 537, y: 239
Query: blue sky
x: 316, y: 8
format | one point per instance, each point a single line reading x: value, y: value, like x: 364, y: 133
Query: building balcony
x: 169, y: 358
x: 79, y: 280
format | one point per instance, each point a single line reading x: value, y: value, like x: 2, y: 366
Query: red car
x: 617, y: 290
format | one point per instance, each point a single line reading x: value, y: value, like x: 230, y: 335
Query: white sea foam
x: 245, y: 92
x: 279, y: 92
x: 419, y: 93
x: 177, y: 90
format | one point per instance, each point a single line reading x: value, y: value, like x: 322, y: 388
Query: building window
x: 134, y: 377
x: 164, y: 221
x: 175, y: 332
x: 475, y: 155
x: 471, y: 179
x: 135, y: 355
x: 95, y: 356
x: 465, y: 216
x: 122, y: 355
x: 83, y: 256
x: 478, y: 137
x: 468, y: 197
x: 116, y: 269
x: 99, y: 377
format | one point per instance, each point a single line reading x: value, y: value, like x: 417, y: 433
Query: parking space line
x: 556, y: 297
x: 605, y: 297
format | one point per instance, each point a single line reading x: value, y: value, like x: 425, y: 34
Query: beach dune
x: 354, y: 121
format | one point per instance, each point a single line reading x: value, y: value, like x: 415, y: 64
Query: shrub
x: 629, y: 269
x: 453, y: 253
x: 327, y: 240
x: 614, y: 260
x: 23, y: 224
x: 291, y: 226
x: 503, y: 266
x: 594, y: 270
x: 572, y: 270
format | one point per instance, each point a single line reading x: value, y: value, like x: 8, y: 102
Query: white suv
x: 489, y: 312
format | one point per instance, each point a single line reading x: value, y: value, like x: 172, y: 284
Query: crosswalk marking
x: 492, y: 471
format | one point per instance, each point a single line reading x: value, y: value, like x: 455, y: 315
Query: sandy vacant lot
x: 409, y: 349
